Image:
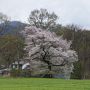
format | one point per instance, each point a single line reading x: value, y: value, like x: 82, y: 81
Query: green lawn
x: 43, y: 84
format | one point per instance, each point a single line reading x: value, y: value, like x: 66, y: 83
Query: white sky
x: 69, y: 11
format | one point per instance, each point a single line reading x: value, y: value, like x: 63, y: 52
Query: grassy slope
x: 43, y: 84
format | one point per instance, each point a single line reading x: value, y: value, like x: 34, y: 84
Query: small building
x: 17, y: 65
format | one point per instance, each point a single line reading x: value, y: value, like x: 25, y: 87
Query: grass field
x: 43, y: 84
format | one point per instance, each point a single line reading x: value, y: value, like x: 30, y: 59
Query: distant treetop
x: 42, y: 19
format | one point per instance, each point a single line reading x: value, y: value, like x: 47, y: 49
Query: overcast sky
x: 69, y: 11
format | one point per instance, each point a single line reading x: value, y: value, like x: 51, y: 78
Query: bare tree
x: 3, y: 18
x: 42, y: 19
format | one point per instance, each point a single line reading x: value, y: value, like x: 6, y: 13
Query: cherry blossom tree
x: 48, y: 54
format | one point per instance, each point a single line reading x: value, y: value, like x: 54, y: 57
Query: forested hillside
x: 81, y: 43
x: 11, y: 27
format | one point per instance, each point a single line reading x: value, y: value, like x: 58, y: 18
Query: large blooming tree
x: 49, y: 54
